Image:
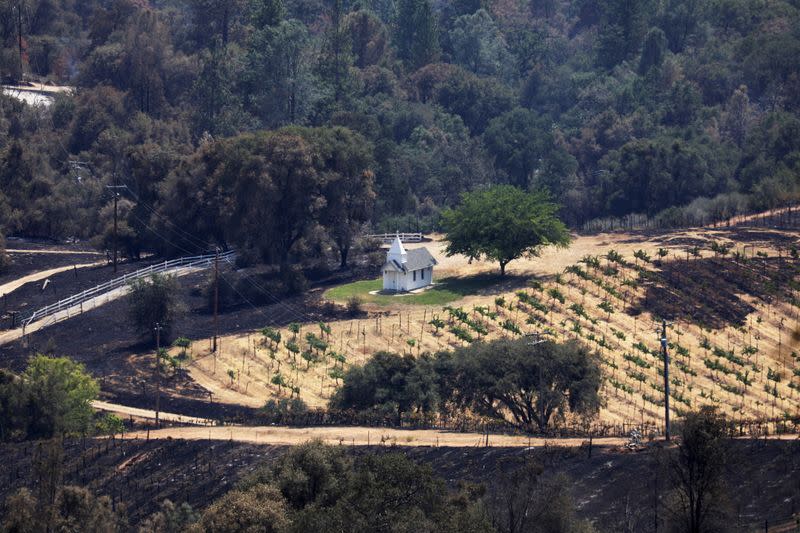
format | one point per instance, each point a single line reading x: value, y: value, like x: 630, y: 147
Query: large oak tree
x: 502, y: 224
x: 525, y: 384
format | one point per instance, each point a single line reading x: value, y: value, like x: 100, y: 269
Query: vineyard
x: 732, y: 309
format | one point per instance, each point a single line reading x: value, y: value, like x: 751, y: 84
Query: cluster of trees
x: 51, y: 398
x: 510, y: 380
x: 153, y: 306
x: 52, y: 506
x: 322, y: 488
x: 263, y: 192
x: 614, y: 107
x: 316, y: 488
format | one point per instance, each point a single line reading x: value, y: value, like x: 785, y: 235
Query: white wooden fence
x: 387, y: 238
x: 197, y: 261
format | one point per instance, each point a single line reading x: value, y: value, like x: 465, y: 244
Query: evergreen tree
x: 416, y: 33
x: 655, y: 46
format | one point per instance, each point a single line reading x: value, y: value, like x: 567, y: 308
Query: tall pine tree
x: 416, y: 33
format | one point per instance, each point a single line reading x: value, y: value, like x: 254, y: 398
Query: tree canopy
x: 317, y: 488
x: 511, y: 380
x: 153, y: 304
x: 502, y: 224
x: 391, y: 385
x: 683, y: 111
x: 697, y: 469
x: 526, y: 384
x: 52, y: 397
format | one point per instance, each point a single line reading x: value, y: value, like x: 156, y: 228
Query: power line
x: 186, y: 235
x: 276, y: 299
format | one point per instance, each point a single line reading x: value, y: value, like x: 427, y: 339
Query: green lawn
x: 445, y: 290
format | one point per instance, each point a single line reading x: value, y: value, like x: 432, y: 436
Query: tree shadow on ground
x: 709, y: 291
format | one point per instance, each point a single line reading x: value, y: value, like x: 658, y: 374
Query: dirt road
x: 6, y: 288
x: 64, y: 252
x: 147, y: 414
x: 359, y: 436
x: 78, y: 309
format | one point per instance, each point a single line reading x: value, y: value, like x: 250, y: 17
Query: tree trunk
x: 343, y: 252
x: 503, y: 268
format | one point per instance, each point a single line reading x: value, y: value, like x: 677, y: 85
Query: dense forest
x: 287, y: 126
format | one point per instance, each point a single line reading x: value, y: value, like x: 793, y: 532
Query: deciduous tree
x: 524, y: 384
x: 697, y: 468
x: 153, y: 303
x: 502, y: 224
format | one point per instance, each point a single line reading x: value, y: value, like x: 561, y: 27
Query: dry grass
x: 406, y: 328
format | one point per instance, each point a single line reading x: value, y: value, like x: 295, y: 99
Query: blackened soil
x: 121, y: 358
x: 610, y: 487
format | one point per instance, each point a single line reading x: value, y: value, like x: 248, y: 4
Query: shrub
x: 279, y: 410
x: 153, y: 301
x: 293, y: 280
x: 354, y: 306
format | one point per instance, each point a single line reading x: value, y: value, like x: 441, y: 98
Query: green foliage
x: 556, y: 294
x: 729, y: 355
x: 503, y: 224
x: 51, y: 398
x: 590, y: 110
x: 461, y: 334
x: 510, y: 325
x: 57, y: 507
x: 390, y: 385
x: 318, y: 487
x: 171, y: 518
x: 415, y: 33
x: 110, y: 424
x: 478, y: 44
x: 293, y: 347
x: 635, y: 359
x: 697, y: 468
x: 259, y: 508
x: 524, y: 148
x: 437, y: 323
x: 182, y: 342
x: 272, y: 334
x: 525, y: 385
x: 279, y: 409
x: 606, y: 306
x: 152, y: 302
x: 654, y: 50
x: 579, y: 310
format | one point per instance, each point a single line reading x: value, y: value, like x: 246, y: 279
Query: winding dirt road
x: 77, y: 309
x: 6, y: 288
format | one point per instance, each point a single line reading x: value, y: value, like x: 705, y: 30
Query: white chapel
x: 406, y: 270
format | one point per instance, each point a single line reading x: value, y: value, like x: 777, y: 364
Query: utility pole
x: 216, y: 298
x: 116, y: 198
x: 666, y: 377
x: 158, y: 372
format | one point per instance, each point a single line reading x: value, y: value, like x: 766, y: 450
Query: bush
x: 354, y: 306
x: 153, y: 301
x: 293, y: 280
x: 283, y: 409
